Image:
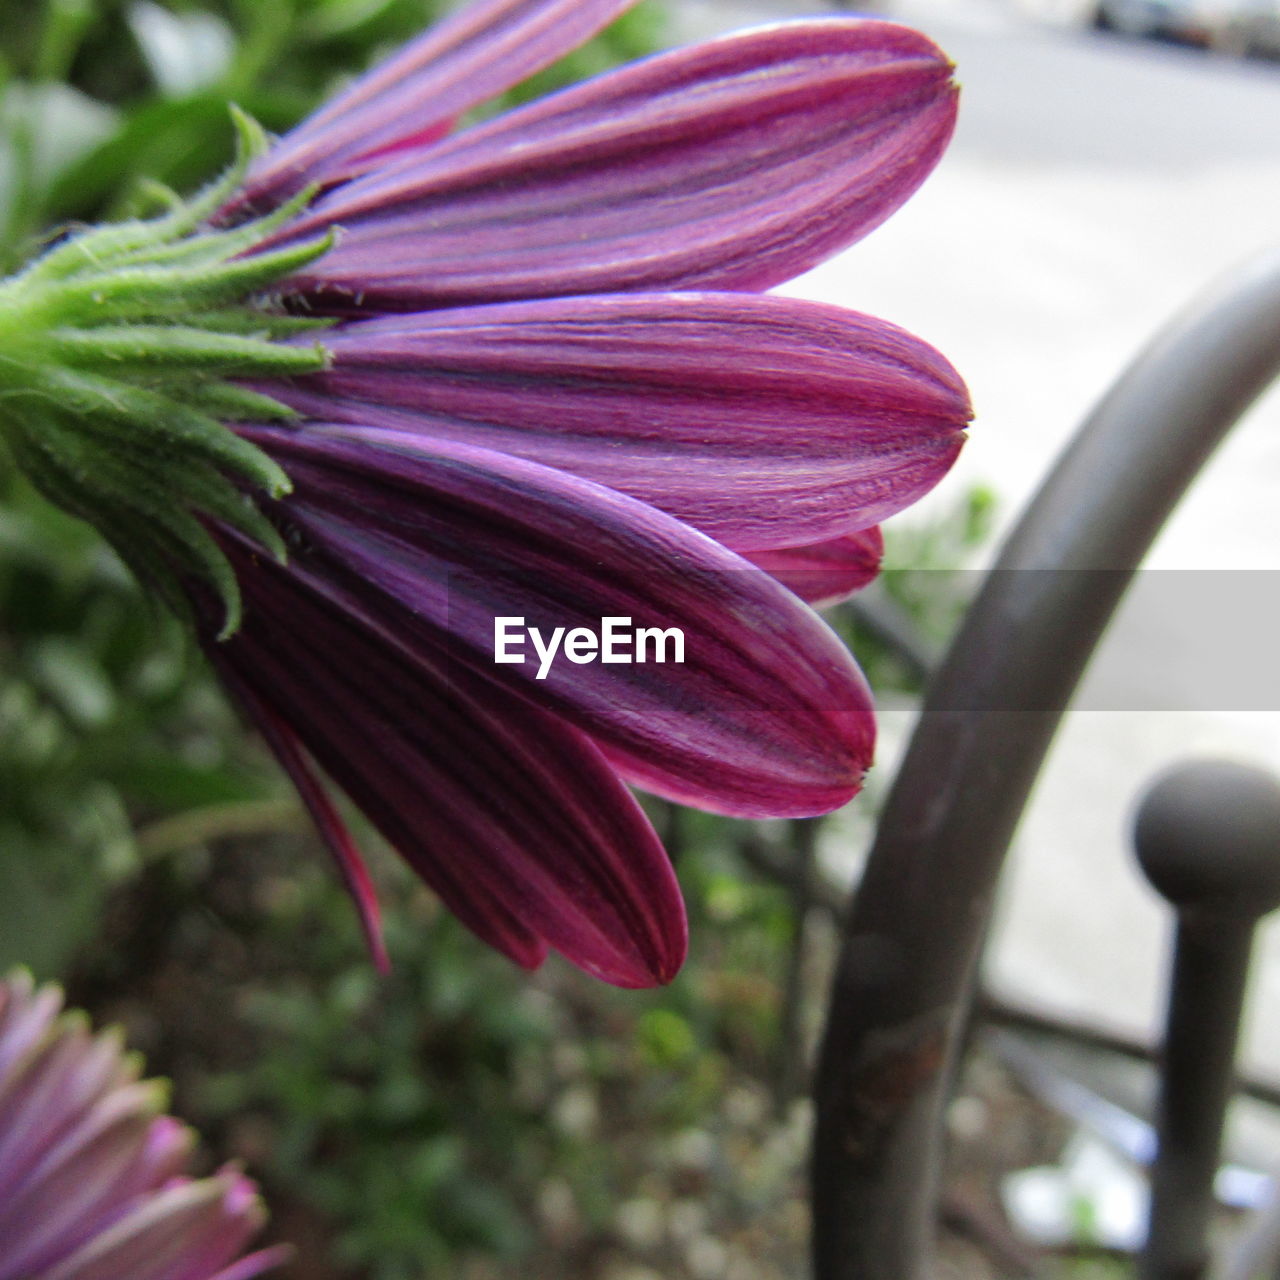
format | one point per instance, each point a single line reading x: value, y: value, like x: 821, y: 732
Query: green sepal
x: 239, y: 511
x: 150, y: 556
x: 151, y: 195
x: 200, y: 487
x: 264, y: 324
x: 252, y: 140
x: 112, y: 484
x: 218, y: 246
x: 196, y: 485
x: 147, y: 293
x: 123, y: 354
x: 107, y: 404
x: 230, y: 401
x: 100, y: 247
x: 148, y: 345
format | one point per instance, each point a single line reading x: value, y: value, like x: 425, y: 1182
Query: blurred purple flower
x: 545, y: 402
x: 92, y: 1182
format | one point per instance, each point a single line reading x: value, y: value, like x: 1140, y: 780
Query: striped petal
x: 512, y: 817
x: 413, y: 97
x: 90, y: 1178
x: 735, y: 164
x: 26, y: 1014
x: 188, y: 1230
x: 762, y: 421
x: 256, y: 1263
x: 48, y: 1092
x: 824, y: 573
x: 333, y: 831
x: 92, y: 1182
x: 767, y: 715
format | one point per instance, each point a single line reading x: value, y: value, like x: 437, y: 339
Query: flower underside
x: 118, y: 350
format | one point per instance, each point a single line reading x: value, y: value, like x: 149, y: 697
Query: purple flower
x: 551, y: 396
x: 92, y: 1181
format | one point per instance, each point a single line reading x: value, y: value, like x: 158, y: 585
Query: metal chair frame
x: 912, y: 937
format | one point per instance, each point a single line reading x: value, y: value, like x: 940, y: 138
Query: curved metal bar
x: 914, y: 932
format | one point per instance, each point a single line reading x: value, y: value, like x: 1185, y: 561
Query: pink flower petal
x: 431, y: 542
x: 512, y: 817
x: 26, y: 1014
x: 762, y: 421
x: 826, y: 572
x: 189, y: 1231
x: 50, y: 1090
x: 256, y: 1263
x: 734, y: 164
x: 333, y: 831
x: 414, y: 96
x: 89, y: 1179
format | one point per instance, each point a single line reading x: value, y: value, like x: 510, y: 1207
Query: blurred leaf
x: 184, y: 52
x: 334, y: 18
x: 666, y: 1038
x: 67, y: 124
x: 74, y: 681
x: 56, y: 869
x: 179, y: 142
x: 45, y: 129
x: 158, y: 780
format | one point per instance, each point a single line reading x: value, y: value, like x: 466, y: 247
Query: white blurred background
x: 1098, y: 181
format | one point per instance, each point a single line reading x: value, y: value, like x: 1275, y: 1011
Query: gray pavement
x: 1094, y: 187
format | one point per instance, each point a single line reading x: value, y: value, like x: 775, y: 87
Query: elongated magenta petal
x: 550, y: 415
x: 511, y: 816
x: 333, y: 831
x: 733, y: 164
x: 826, y: 572
x: 432, y: 541
x: 413, y: 97
x: 762, y: 421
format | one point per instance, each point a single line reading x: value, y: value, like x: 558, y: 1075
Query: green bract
x: 120, y: 354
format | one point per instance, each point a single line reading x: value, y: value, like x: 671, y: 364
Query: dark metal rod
x: 913, y: 935
x: 792, y: 1063
x: 1206, y: 998
x: 1207, y: 836
x: 1001, y: 1013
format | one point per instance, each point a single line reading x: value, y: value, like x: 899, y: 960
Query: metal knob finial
x: 1207, y: 835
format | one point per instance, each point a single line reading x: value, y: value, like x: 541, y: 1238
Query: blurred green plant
x: 1101, y: 1269
x: 390, y: 1106
x: 928, y: 569
x: 103, y: 720
x: 422, y: 1116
